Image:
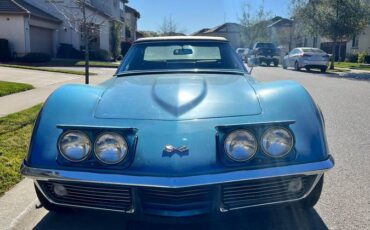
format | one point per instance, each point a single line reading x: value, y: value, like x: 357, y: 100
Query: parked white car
x: 308, y: 58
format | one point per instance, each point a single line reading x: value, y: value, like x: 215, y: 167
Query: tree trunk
x: 85, y: 31
x: 86, y: 60
x: 333, y: 55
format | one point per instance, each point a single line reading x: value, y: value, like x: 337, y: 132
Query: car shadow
x: 288, y: 218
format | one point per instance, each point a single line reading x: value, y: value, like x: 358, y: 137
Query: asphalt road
x: 345, y: 201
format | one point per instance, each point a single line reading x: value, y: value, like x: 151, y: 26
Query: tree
x: 116, y: 29
x: 169, y: 27
x: 83, y: 21
x: 255, y: 24
x: 338, y: 20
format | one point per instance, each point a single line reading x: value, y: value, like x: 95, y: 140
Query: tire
x: 323, y: 69
x: 311, y: 200
x: 308, y: 69
x: 296, y: 66
x: 276, y: 63
x: 49, y: 206
x: 268, y: 63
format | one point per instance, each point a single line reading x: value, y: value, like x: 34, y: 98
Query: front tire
x: 49, y: 206
x: 276, y: 63
x: 311, y: 200
x: 323, y: 69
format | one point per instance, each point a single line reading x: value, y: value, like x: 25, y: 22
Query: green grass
x: 66, y: 71
x: 15, y: 133
x: 79, y: 63
x: 350, y: 65
x: 7, y: 88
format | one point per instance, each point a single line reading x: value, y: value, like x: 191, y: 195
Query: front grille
x: 177, y: 201
x: 88, y: 195
x: 257, y: 192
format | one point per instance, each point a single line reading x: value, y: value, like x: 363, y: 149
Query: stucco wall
x: 12, y: 27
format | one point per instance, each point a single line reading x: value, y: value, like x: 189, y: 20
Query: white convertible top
x: 174, y: 38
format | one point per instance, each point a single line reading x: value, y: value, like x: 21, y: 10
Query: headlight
x: 277, y: 142
x: 240, y: 145
x: 110, y: 148
x: 75, y: 146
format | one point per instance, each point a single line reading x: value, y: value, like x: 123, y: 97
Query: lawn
x: 7, y: 88
x: 66, y: 71
x: 350, y: 65
x: 15, y: 133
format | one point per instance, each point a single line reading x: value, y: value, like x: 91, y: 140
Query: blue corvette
x: 180, y: 130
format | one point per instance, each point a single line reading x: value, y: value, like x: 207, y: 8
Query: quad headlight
x: 240, y: 145
x: 74, y: 146
x: 277, y: 141
x: 110, y: 148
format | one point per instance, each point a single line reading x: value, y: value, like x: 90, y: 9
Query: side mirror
x: 119, y: 58
x: 252, y: 62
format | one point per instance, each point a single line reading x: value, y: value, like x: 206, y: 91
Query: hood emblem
x: 169, y: 150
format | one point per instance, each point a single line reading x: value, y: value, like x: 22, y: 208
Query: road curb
x: 17, y: 203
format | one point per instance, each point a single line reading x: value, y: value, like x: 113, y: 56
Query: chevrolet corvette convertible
x: 181, y: 130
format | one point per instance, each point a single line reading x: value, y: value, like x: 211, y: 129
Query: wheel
x: 308, y: 69
x: 268, y: 63
x: 49, y: 206
x: 296, y: 66
x: 311, y: 200
x: 276, y: 63
x: 323, y: 69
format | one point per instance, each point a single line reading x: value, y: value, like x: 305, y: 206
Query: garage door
x: 41, y: 40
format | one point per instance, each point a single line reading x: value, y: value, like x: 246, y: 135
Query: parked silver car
x: 308, y: 58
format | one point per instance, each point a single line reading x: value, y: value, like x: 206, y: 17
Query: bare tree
x: 169, y: 27
x: 255, y: 23
x: 82, y: 18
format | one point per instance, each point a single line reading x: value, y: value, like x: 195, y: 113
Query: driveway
x: 345, y: 201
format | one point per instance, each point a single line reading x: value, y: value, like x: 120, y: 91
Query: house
x: 280, y: 32
x: 231, y: 31
x: 41, y: 26
x: 131, y: 17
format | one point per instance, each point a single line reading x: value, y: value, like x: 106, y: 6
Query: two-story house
x: 41, y: 26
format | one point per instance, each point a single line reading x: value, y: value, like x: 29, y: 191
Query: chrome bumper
x: 178, y: 182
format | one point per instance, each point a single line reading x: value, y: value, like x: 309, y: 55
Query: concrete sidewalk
x: 44, y: 82
x: 21, y: 200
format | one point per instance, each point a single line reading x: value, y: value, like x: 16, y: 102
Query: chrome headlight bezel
x: 229, y: 156
x: 114, y: 134
x: 64, y: 155
x: 274, y: 128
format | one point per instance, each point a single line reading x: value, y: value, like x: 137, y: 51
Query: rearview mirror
x: 182, y: 52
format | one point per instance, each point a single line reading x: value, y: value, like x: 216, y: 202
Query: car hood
x: 178, y: 97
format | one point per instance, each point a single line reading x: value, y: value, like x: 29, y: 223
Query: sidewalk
x: 18, y: 202
x: 44, y: 82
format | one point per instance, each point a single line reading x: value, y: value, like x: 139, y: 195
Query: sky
x: 193, y: 15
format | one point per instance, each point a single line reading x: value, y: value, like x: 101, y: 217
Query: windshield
x: 181, y: 55
x: 265, y: 45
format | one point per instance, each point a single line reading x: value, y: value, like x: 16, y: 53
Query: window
x: 121, y: 5
x: 354, y: 42
x: 314, y: 42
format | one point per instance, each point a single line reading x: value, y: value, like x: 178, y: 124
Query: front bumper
x: 198, y: 194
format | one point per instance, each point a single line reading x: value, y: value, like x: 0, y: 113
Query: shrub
x: 361, y: 56
x: 68, y: 51
x: 100, y: 55
x: 36, y: 57
x: 5, y: 54
x: 352, y: 58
